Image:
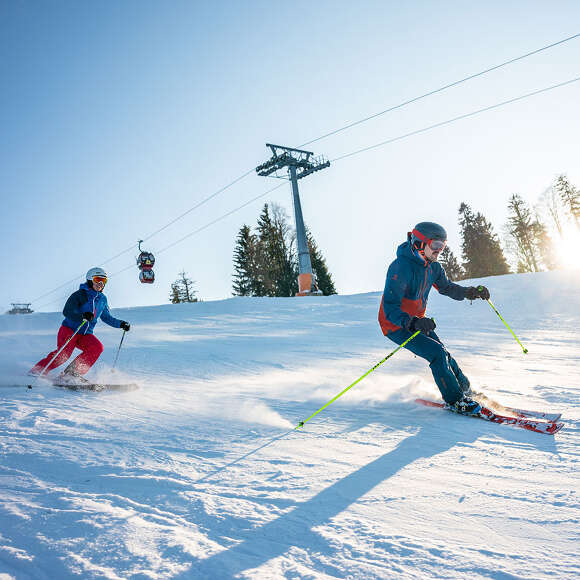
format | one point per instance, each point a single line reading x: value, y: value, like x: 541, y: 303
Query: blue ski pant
x: 451, y: 381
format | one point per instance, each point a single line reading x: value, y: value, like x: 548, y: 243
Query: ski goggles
x: 100, y: 280
x: 435, y: 245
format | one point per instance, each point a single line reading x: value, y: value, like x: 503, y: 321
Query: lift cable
x: 221, y: 190
x: 449, y: 121
x: 439, y: 90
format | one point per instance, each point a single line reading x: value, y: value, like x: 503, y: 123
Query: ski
x: 97, y: 387
x: 552, y: 417
x: 537, y: 425
x: 505, y: 410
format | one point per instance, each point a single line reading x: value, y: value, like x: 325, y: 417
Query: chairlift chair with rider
x: 145, y: 263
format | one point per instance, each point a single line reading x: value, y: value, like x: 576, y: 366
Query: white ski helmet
x: 96, y: 272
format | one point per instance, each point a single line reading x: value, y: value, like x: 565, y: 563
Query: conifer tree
x: 528, y: 234
x: 266, y: 276
x: 547, y: 250
x: 322, y: 276
x: 182, y: 290
x: 451, y: 265
x: 174, y: 295
x: 480, y: 247
x: 266, y: 263
x: 570, y: 197
x: 245, y: 281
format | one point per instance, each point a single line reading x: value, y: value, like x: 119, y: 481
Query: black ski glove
x: 425, y: 325
x: 88, y: 315
x: 125, y: 326
x: 472, y: 293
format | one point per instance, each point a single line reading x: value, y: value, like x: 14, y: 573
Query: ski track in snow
x: 200, y: 474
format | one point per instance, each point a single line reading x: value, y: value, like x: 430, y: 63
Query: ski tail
x: 487, y: 414
x: 97, y: 387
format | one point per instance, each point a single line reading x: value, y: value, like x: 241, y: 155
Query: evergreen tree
x: 322, y: 276
x: 276, y: 257
x: 451, y: 265
x: 245, y: 272
x: 266, y: 263
x: 182, y: 290
x: 266, y: 276
x: 174, y: 297
x: 570, y: 197
x: 547, y: 250
x: 527, y: 233
x: 480, y: 247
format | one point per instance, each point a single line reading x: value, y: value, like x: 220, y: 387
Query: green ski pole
x: 301, y: 423
x: 507, y: 325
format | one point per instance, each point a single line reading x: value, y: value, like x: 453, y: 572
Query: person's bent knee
x: 438, y: 355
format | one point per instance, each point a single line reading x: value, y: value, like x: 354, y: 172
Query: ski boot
x: 465, y: 406
x: 70, y: 377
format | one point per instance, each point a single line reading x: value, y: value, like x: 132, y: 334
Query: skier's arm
x: 74, y: 305
x: 444, y: 286
x: 107, y: 318
x: 393, y: 295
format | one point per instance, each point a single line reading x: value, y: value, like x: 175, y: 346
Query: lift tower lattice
x: 299, y: 164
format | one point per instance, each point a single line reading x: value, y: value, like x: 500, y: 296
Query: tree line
x: 266, y: 260
x: 530, y: 235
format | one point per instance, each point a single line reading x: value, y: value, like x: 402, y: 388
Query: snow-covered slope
x: 198, y: 474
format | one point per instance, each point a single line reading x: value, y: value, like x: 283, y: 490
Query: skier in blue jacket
x: 87, y: 304
x: 402, y: 311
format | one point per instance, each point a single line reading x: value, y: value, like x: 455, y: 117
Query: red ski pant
x: 88, y: 343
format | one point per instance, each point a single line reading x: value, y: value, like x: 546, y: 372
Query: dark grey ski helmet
x: 428, y: 231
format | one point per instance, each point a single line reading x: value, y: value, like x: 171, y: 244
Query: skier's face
x: 430, y: 254
x: 99, y: 283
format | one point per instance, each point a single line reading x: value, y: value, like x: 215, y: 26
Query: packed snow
x: 200, y: 473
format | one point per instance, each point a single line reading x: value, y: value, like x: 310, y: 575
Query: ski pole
x: 54, y: 357
x: 119, y: 350
x: 507, y: 325
x: 301, y: 423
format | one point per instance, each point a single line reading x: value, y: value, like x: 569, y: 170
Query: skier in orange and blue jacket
x: 402, y: 311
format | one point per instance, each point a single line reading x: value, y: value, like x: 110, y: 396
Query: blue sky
x: 119, y: 116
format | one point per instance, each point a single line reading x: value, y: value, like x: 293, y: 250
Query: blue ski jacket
x: 409, y: 280
x: 85, y: 299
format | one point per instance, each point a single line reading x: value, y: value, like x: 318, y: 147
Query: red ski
x: 498, y: 408
x: 537, y: 425
x: 551, y: 417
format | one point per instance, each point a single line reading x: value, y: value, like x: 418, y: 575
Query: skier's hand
x: 125, y: 326
x: 472, y: 293
x: 88, y: 315
x: 425, y: 325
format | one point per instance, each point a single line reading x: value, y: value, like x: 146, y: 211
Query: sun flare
x: 565, y: 245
